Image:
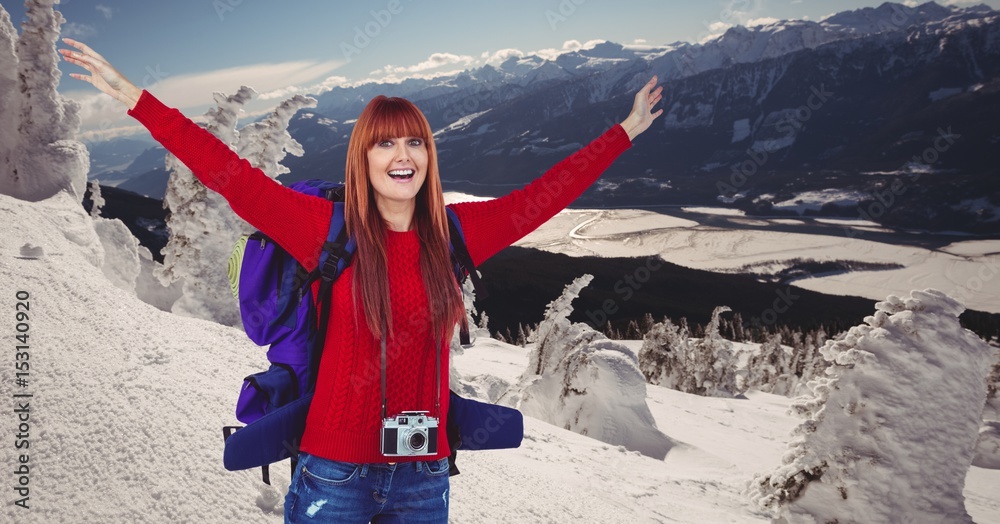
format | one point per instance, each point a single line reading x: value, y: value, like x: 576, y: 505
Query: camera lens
x: 416, y: 441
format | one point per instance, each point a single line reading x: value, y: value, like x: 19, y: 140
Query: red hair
x: 385, y: 118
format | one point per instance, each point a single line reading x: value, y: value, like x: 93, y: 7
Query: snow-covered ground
x: 128, y: 402
x: 966, y: 270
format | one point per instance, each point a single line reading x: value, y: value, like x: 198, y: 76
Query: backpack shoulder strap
x: 335, y: 256
x: 460, y: 254
x: 462, y: 262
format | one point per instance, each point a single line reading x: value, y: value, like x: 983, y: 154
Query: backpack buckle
x: 329, y: 271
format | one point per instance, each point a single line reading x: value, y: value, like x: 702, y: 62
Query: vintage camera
x: 411, y: 433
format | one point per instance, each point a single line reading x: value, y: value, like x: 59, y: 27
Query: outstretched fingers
x: 85, y: 50
x: 651, y: 96
x: 102, y: 75
x: 642, y: 114
x: 86, y: 57
x: 656, y: 96
x: 73, y: 60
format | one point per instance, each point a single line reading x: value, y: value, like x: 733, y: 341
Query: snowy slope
x: 128, y: 402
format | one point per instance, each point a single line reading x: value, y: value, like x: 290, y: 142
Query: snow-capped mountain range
x: 862, y: 103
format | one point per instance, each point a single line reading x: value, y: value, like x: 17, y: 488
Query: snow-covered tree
x: 202, y: 226
x: 705, y: 366
x: 813, y: 362
x: 889, y: 433
x: 992, y: 409
x: 664, y: 354
x: 203, y: 229
x: 39, y: 155
x: 714, y: 367
x: 769, y: 367
x: 97, y: 201
x: 10, y: 100
x: 469, y: 300
x: 265, y: 143
x: 580, y: 380
x: 555, y: 329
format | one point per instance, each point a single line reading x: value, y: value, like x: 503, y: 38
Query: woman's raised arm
x: 295, y: 221
x: 492, y: 225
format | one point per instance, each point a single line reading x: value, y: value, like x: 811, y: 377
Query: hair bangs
x: 395, y: 118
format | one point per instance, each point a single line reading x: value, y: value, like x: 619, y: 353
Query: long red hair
x: 385, y: 118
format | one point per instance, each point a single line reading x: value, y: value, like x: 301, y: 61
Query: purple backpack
x: 278, y: 308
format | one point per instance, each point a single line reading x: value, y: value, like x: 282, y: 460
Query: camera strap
x: 437, y: 374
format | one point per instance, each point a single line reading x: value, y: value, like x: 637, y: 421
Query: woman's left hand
x: 642, y: 116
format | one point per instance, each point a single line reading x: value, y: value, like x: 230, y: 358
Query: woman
x: 399, y: 288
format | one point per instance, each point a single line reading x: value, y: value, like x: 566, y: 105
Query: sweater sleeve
x: 492, y: 225
x: 297, y: 222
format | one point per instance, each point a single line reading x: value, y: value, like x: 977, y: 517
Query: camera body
x: 411, y: 433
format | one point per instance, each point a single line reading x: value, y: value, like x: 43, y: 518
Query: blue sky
x: 183, y: 50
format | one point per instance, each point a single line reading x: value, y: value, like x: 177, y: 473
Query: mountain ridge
x: 894, y: 75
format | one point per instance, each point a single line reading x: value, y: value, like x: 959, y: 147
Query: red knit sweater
x: 344, y: 418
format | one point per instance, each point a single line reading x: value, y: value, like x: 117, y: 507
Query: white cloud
x: 315, y: 89
x: 331, y: 82
x: 393, y: 78
x: 193, y: 91
x: 76, y: 30
x: 104, y: 10
x: 435, y: 61
x: 500, y: 56
x: 762, y: 21
x: 101, y: 135
x: 568, y: 47
x: 713, y: 30
x: 283, y: 92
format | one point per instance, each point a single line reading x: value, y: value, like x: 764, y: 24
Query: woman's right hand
x: 103, y: 76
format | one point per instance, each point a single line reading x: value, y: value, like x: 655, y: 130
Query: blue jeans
x: 332, y: 491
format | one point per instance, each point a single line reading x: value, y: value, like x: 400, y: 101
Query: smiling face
x: 397, y: 168
x: 391, y: 171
